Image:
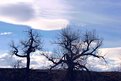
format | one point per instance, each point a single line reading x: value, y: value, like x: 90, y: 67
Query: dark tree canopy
x: 75, y: 49
x: 27, y: 46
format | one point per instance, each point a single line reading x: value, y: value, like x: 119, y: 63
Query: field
x: 55, y: 75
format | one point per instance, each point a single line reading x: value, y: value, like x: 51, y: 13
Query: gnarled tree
x: 27, y: 46
x: 75, y: 49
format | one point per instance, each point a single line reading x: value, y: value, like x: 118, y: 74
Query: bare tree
x: 27, y: 46
x: 75, y: 49
x: 17, y: 64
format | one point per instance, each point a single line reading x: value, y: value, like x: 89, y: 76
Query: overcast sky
x: 49, y: 16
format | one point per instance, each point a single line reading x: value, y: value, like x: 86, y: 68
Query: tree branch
x: 15, y: 50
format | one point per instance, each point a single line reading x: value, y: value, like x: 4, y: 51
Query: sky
x: 48, y: 17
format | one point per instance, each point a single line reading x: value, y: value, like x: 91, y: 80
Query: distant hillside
x: 55, y: 75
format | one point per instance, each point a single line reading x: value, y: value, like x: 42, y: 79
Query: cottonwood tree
x: 31, y: 43
x: 75, y: 49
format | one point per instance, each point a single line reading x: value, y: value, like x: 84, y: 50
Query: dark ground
x: 55, y: 75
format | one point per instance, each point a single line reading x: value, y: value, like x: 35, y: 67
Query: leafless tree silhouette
x: 17, y: 64
x: 75, y: 49
x: 27, y: 46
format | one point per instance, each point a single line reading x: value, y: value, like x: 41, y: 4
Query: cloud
x: 34, y: 14
x: 48, y: 24
x: 112, y: 57
x: 111, y: 53
x: 99, y: 12
x: 37, y: 60
x: 19, y: 11
x: 57, y: 14
x: 5, y: 60
x: 5, y: 33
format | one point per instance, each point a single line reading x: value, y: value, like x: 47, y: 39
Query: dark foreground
x: 55, y: 75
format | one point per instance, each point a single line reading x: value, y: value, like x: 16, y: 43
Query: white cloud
x: 13, y: 1
x: 112, y: 56
x: 5, y: 33
x: 36, y: 14
x: 111, y: 53
x: 56, y: 14
x: 37, y: 60
x: 5, y: 60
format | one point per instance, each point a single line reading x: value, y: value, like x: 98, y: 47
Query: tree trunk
x: 70, y: 74
x: 28, y: 62
x: 27, y: 67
